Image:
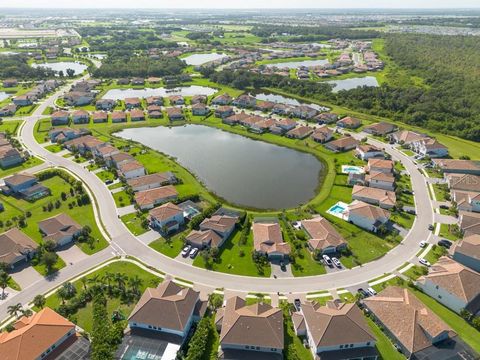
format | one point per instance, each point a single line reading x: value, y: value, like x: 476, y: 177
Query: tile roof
x: 322, y: 233
x: 469, y: 246
x: 219, y: 223
x: 149, y: 197
x: 368, y: 211
x: 201, y: 238
x: 58, y: 226
x: 165, y: 211
x: 381, y: 164
x: 382, y: 196
x: 14, y: 243
x: 467, y: 182
x: 458, y: 165
x: 18, y: 178
x: 254, y: 325
x: 155, y: 178
x: 267, y: 237
x: 344, y: 142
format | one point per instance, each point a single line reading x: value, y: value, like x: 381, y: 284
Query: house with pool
x: 367, y: 216
x: 323, y: 236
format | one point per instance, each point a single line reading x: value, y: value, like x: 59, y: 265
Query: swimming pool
x: 338, y: 209
x: 350, y: 169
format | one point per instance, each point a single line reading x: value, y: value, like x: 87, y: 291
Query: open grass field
x: 31, y: 162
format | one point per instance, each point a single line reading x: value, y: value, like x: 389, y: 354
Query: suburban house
x: 138, y: 81
x: 256, y: 327
x: 154, y: 100
x: 380, y: 180
x: 453, y: 285
x: 60, y: 118
x: 137, y: 115
x: 349, y: 123
x: 131, y: 169
x: 99, y: 117
x: 286, y: 124
x: 8, y: 110
x: 304, y: 112
x: 147, y: 199
x: 343, y: 144
x: 60, y: 229
x: 224, y: 111
x: 366, y: 152
x: 22, y: 100
x: 198, y: 99
x: 83, y: 144
x: 323, y: 236
x: 263, y: 125
x: 133, y: 102
x: 223, y: 99
x: 463, y: 182
x: 119, y: 116
x: 106, y: 151
x: 60, y: 135
x: 245, y: 101
x: 467, y: 252
x: 466, y: 201
x: 18, y: 182
x: 152, y: 181
x: 200, y: 109
x: 174, y: 113
x: 406, y: 137
x: 40, y: 336
x: 16, y: 248
x: 322, y: 134
x: 154, y: 111
x: 251, y: 120
x: 379, y: 129
x: 119, y: 159
x: 429, y: 147
x: 166, y: 218
x: 300, y: 132
x: 412, y: 325
x: 268, y: 240
x: 79, y: 98
x: 9, y: 156
x: 10, y: 83
x: 222, y: 225
x: 326, y: 118
x: 380, y: 165
x: 203, y: 239
x: 105, y: 104
x: 469, y: 223
x: 265, y: 106
x: 80, y: 117
x: 453, y: 166
x: 383, y: 198
x: 367, y: 216
x: 168, y: 309
x: 176, y: 100
x: 282, y: 109
x: 335, y: 331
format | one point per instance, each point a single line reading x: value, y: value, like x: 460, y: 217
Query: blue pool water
x: 337, y: 209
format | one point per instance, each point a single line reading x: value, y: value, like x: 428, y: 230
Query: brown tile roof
x: 336, y: 324
x: 149, y: 197
x: 406, y: 317
x: 204, y: 238
x: 407, y: 136
x: 350, y: 121
x: 382, y: 196
x: 430, y: 143
x: 454, y: 278
x: 322, y: 233
x: 344, y: 142
x: 118, y: 115
x: 132, y: 101
x: 380, y: 128
x: 300, y: 131
x: 254, y: 325
x: 322, y: 133
x: 129, y: 166
x: 453, y: 164
x: 381, y: 164
x: 122, y: 156
x: 469, y: 246
x: 368, y: 148
x: 34, y: 335
x: 60, y: 113
x: 267, y: 237
x: 380, y: 176
x: 174, y: 111
x: 17, y: 179
x: 167, y: 306
x: 137, y: 113
x: 99, y: 115
x: 465, y: 182
x: 165, y: 211
x: 58, y: 226
x: 367, y: 210
x: 14, y: 243
x: 219, y: 223
x: 162, y: 178
x: 470, y: 223
x: 237, y: 117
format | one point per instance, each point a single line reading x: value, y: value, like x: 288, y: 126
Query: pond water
x: 347, y: 84
x: 3, y: 95
x: 286, y: 100
x: 297, y: 64
x: 8, y: 53
x: 200, y: 59
x: 121, y: 94
x: 63, y: 66
x: 241, y: 170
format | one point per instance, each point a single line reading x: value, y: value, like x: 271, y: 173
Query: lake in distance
x: 122, y: 94
x: 244, y: 172
x: 352, y: 83
x: 77, y: 67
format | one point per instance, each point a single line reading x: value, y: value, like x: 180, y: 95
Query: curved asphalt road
x: 123, y: 242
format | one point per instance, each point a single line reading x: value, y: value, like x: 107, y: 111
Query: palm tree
x: 27, y: 312
x: 13, y: 310
x: 108, y: 278
x: 62, y: 294
x: 121, y: 280
x: 70, y: 290
x: 39, y: 301
x: 94, y: 279
x: 4, y: 280
x: 84, y: 281
x: 135, y: 284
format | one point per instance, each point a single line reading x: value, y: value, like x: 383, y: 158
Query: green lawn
x: 403, y: 219
x: 84, y: 315
x: 54, y: 148
x: 105, y: 175
x: 435, y: 253
x: 170, y: 248
x: 384, y: 345
x: 10, y: 126
x: 41, y: 268
x: 121, y: 198
x: 292, y: 341
x: 134, y: 223
x: 441, y: 191
x: 306, y: 265
x: 82, y: 214
x: 460, y: 326
x: 42, y: 127
x: 31, y: 162
x: 415, y: 272
x: 235, y: 258
x: 447, y: 233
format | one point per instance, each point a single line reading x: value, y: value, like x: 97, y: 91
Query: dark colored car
x: 363, y: 293
x: 445, y: 243
x: 297, y: 304
x: 431, y: 227
x: 108, y: 182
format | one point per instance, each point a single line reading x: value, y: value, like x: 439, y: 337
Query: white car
x: 193, y: 253
x: 186, y: 250
x: 327, y: 260
x: 372, y: 291
x: 423, y: 262
x: 422, y: 244
x: 336, y: 262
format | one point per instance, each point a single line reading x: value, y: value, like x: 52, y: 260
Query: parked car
x: 327, y: 260
x: 411, y: 211
x: 445, y: 243
x: 424, y: 262
x: 422, y: 244
x: 444, y: 207
x: 371, y: 291
x: 297, y: 304
x: 193, y: 253
x: 431, y: 227
x: 186, y: 250
x: 282, y: 266
x: 336, y: 262
x: 363, y: 293
x: 108, y: 182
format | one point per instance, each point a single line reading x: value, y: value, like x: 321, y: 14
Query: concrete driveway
x: 71, y: 254
x: 26, y: 276
x: 148, y: 237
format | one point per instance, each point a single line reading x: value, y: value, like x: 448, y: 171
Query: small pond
x: 352, y: 83
x: 4, y: 95
x: 78, y: 67
x: 241, y: 170
x: 298, y: 64
x: 122, y: 94
x: 286, y: 100
x: 200, y: 59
